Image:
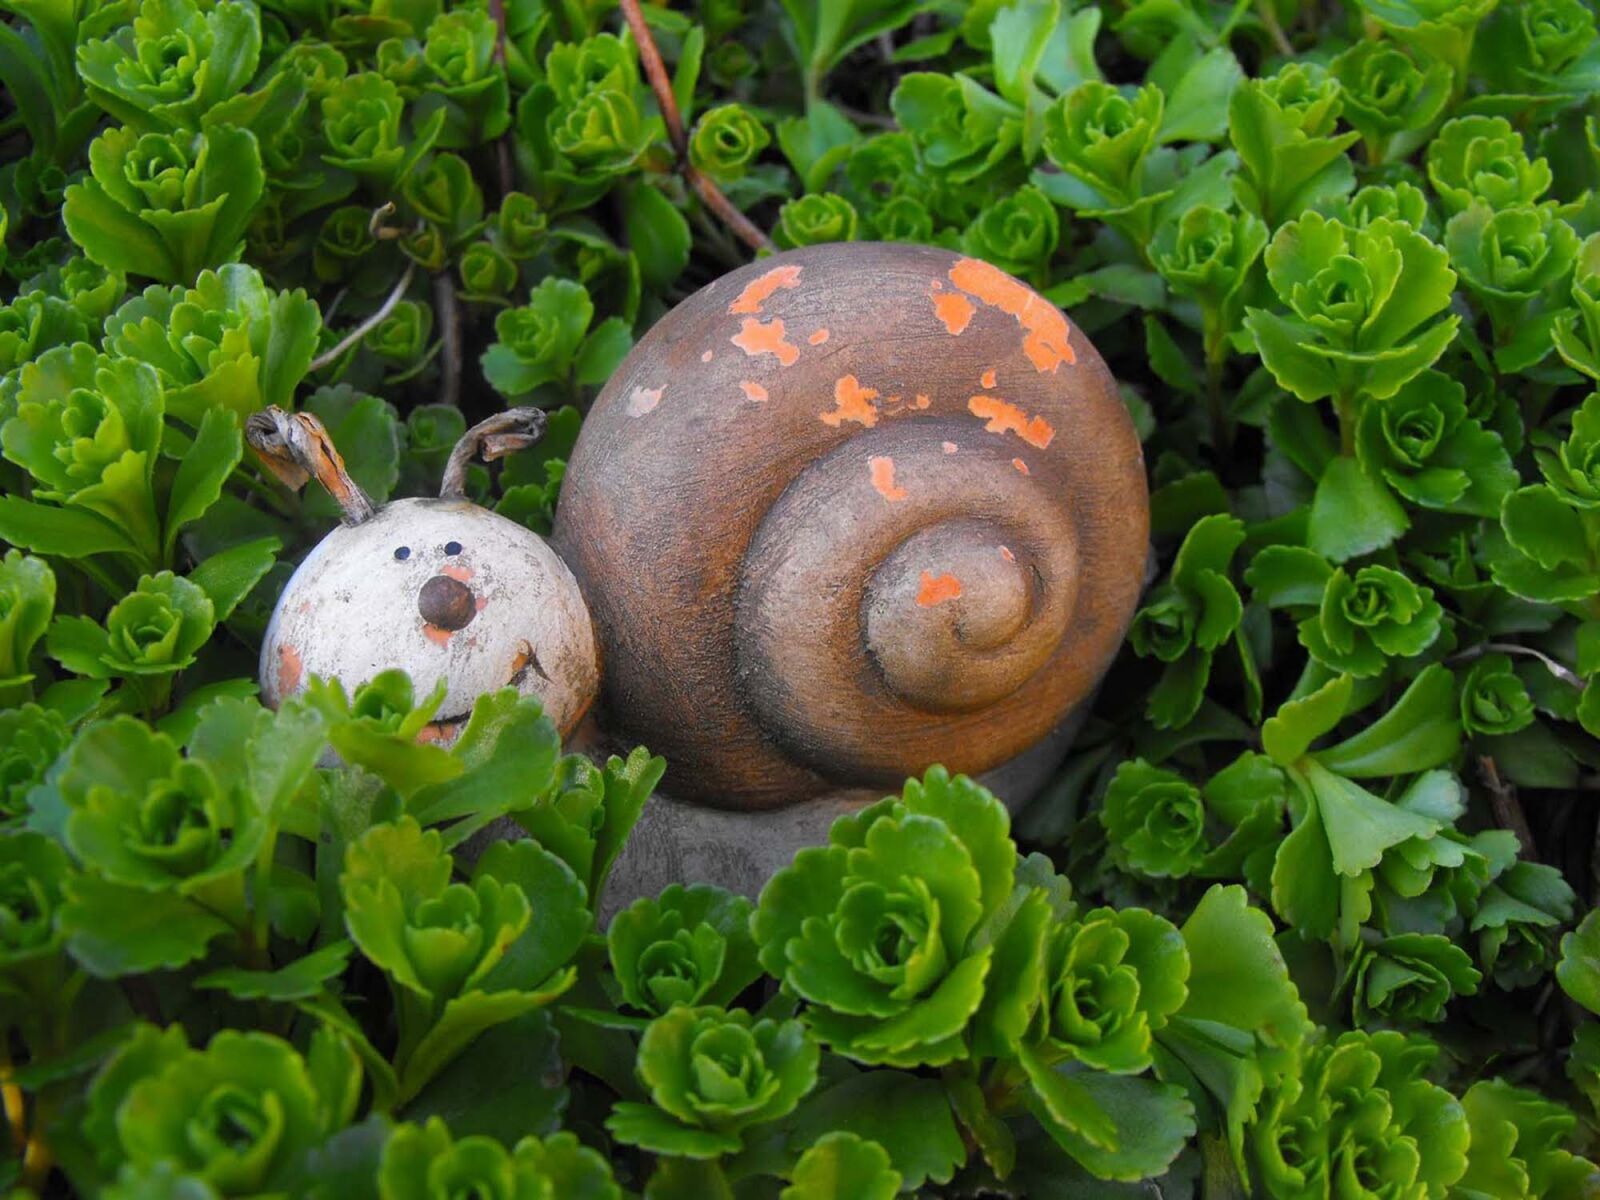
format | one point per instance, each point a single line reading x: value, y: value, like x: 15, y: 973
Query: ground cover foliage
x: 1302, y: 916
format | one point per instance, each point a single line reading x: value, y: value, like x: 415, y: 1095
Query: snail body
x: 843, y: 513
x: 849, y: 511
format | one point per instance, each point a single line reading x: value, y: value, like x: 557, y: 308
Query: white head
x: 442, y: 589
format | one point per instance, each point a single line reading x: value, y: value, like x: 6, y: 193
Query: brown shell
x: 849, y: 511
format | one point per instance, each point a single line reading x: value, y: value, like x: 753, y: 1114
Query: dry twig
x: 703, y: 186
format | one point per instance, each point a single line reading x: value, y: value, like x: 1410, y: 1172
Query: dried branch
x: 449, y: 315
x: 703, y: 186
x: 1506, y: 807
x: 502, y: 147
x: 367, y: 326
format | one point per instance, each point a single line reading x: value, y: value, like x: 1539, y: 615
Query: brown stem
x: 497, y: 10
x: 449, y: 314
x: 661, y: 83
x: 1507, y: 808
x: 367, y: 326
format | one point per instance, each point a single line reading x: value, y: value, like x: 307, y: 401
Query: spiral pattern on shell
x: 849, y: 511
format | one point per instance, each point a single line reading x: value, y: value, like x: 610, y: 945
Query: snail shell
x: 849, y: 511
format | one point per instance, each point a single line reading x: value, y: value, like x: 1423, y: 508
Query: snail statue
x: 843, y: 513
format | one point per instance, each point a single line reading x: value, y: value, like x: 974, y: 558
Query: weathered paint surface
x: 759, y: 290
x: 954, y: 309
x: 1004, y: 417
x: 766, y: 337
x: 936, y: 589
x: 951, y: 447
x: 290, y: 668
x: 752, y: 390
x: 643, y: 400
x: 881, y: 467
x: 350, y: 611
x: 852, y: 402
x: 1046, y: 342
x: 818, y: 337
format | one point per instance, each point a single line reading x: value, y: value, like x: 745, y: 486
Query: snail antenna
x: 502, y: 434
x: 295, y: 447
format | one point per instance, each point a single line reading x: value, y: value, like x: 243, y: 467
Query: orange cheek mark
x: 817, y: 338
x: 954, y: 309
x: 1046, y: 344
x: 882, y: 468
x: 936, y: 589
x: 1005, y: 553
x: 753, y: 390
x: 988, y: 379
x: 1021, y: 466
x: 642, y: 400
x: 766, y: 337
x: 707, y: 356
x: 854, y: 403
x: 290, y: 668
x: 951, y: 447
x: 439, y: 637
x: 760, y: 289
x: 462, y: 574
x: 1004, y: 417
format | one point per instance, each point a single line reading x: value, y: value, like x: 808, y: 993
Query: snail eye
x: 401, y: 553
x: 452, y: 547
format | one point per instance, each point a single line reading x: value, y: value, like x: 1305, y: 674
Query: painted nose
x: 446, y: 603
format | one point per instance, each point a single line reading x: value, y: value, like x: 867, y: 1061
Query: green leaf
x: 216, y: 450
x: 1421, y: 730
x: 1353, y: 513
x: 1150, y: 1123
x: 843, y: 1166
x: 908, y: 1115
x: 508, y: 1083
x: 304, y: 977
x: 1067, y: 1107
x: 1578, y: 972
x: 114, y: 930
x: 230, y: 575
x: 64, y: 532
x: 1544, y: 527
x: 657, y: 233
x: 1359, y: 825
x: 1289, y: 734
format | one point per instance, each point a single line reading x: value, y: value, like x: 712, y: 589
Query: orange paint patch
x: 988, y: 379
x: 951, y: 447
x: 936, y: 589
x: 1021, y: 466
x: 459, y: 573
x: 766, y: 337
x: 817, y: 338
x: 1005, y: 553
x: 1005, y: 417
x: 642, y: 400
x: 882, y: 468
x: 854, y: 403
x: 760, y: 289
x: 435, y: 733
x: 1046, y: 344
x: 954, y: 309
x: 290, y: 668
x: 439, y: 637
x: 753, y: 390
x: 707, y: 356
x: 922, y: 401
